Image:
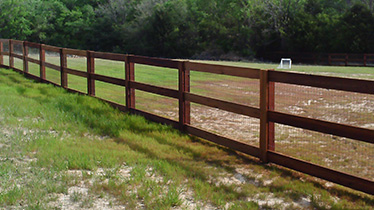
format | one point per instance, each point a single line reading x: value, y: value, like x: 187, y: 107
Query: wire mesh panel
x: 343, y: 107
x: 52, y: 57
x: 18, y: 63
x: 34, y: 53
x: 228, y: 88
x: 18, y: 48
x: 78, y: 63
x: 77, y: 83
x: 110, y: 92
x: 53, y: 75
x: 242, y: 91
x: 157, y: 76
x: 6, y: 60
x: 107, y: 91
x: 156, y: 104
x: 110, y: 68
x: 230, y: 125
x: 343, y: 154
x: 34, y: 69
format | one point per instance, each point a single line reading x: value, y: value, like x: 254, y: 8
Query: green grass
x: 47, y: 133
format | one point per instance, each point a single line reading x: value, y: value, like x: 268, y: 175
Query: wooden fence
x: 332, y: 59
x: 265, y: 113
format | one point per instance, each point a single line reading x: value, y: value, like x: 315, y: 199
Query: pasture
x: 67, y: 151
x: 339, y: 153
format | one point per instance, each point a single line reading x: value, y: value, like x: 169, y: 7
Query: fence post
x: 90, y: 71
x: 25, y: 52
x: 264, y: 122
x: 271, y: 107
x: 1, y: 53
x: 184, y: 87
x: 42, y: 61
x: 329, y: 57
x: 346, y: 59
x: 129, y: 76
x: 365, y: 59
x: 63, y: 65
x: 11, y: 59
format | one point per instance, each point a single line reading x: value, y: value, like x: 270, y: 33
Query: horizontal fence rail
x: 265, y: 112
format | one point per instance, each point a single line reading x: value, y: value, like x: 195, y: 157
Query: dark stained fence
x: 265, y: 113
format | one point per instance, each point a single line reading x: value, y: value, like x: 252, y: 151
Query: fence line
x: 266, y: 114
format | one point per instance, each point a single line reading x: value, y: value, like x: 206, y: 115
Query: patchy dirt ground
x: 348, y: 108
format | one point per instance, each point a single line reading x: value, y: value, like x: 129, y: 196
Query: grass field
x: 337, y: 106
x: 67, y: 151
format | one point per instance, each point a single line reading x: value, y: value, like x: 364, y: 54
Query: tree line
x: 193, y: 28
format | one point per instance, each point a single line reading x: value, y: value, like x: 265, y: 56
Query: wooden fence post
x: 25, y: 53
x: 63, y: 65
x: 11, y: 59
x: 1, y: 53
x: 346, y: 59
x: 271, y: 106
x: 129, y: 76
x: 329, y: 57
x: 264, y: 122
x: 42, y: 61
x: 365, y: 59
x: 90, y: 71
x: 184, y: 87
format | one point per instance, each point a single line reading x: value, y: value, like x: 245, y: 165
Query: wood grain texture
x: 226, y: 70
x: 52, y: 48
x: 154, y: 89
x: 160, y: 62
x: 52, y: 66
x: 32, y: 44
x: 111, y: 80
x: 42, y: 62
x: 109, y: 56
x: 76, y: 72
x: 91, y: 71
x: 224, y: 105
x: 69, y: 51
x: 336, y: 83
x: 362, y: 134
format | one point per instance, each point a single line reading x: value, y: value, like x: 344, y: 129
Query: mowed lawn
x: 62, y: 150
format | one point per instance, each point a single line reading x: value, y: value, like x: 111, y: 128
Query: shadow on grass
x: 106, y: 121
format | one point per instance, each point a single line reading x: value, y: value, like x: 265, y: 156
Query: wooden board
x: 52, y: 66
x: 224, y: 105
x: 160, y: 62
x: 344, y: 179
x: 76, y: 73
x: 155, y: 118
x: 109, y: 56
x: 111, y: 80
x: 345, y: 84
x: 154, y: 89
x: 232, y: 144
x: 362, y: 134
x: 32, y: 60
x: 32, y: 44
x: 69, y: 51
x: 52, y: 48
x: 226, y: 70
